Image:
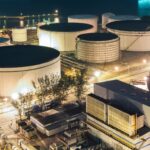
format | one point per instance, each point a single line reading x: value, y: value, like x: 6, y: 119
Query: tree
x: 25, y: 102
x: 80, y: 83
x: 44, y: 87
x: 61, y: 88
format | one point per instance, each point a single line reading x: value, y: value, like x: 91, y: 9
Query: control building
x: 118, y: 114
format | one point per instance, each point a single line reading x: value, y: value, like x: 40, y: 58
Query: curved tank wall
x: 16, y: 76
x: 97, y: 47
x: 88, y: 19
x: 38, y: 25
x: 105, y: 18
x: 19, y: 35
x: 62, y: 36
x: 134, y: 35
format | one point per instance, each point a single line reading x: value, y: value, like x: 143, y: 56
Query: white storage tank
x: 97, y: 47
x: 105, y: 18
x: 19, y: 34
x: 122, y: 17
x: 22, y: 64
x: 62, y: 35
x: 4, y: 41
x: 38, y: 25
x: 88, y: 19
x: 134, y: 34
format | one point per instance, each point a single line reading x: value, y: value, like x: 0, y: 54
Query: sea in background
x: 67, y: 7
x: 39, y: 10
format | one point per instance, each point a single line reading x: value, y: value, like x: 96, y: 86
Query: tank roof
x: 66, y: 27
x: 25, y: 55
x: 108, y: 14
x: 82, y: 16
x: 130, y: 25
x: 3, y: 40
x: 97, y: 36
x: 125, y: 17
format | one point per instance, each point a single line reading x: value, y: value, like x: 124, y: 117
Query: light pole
x: 116, y: 68
x: 144, y: 61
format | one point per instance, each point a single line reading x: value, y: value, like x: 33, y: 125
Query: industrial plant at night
x: 75, y: 75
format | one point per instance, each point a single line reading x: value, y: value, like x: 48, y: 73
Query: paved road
x: 8, y: 116
x: 127, y: 73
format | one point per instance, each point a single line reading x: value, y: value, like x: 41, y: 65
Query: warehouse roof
x: 128, y: 108
x: 97, y: 36
x: 66, y: 27
x: 83, y: 16
x: 25, y: 55
x: 3, y: 40
x: 130, y: 25
x: 63, y: 114
x: 127, y: 90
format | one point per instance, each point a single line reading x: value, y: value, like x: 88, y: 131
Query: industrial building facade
x: 116, y: 120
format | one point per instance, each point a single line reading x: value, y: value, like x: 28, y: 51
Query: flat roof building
x: 52, y: 121
x: 118, y: 113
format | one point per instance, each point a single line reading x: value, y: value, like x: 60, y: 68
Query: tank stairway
x: 146, y: 29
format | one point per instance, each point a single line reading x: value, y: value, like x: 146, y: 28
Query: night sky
x: 14, y: 7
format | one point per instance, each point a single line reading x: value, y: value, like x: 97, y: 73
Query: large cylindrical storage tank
x: 62, y: 35
x: 134, y: 35
x: 97, y: 47
x: 38, y: 25
x: 122, y: 17
x: 19, y: 34
x: 22, y: 64
x: 105, y: 18
x: 4, y: 41
x: 88, y: 19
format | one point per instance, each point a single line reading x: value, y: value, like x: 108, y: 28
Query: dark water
x: 66, y: 7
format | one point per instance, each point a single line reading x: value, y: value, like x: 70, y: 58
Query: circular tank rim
x: 30, y: 68
x: 26, y: 56
x: 66, y: 27
x: 82, y: 16
x: 135, y: 26
x: 125, y: 17
x: 98, y: 37
x: 108, y: 14
x: 19, y: 28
